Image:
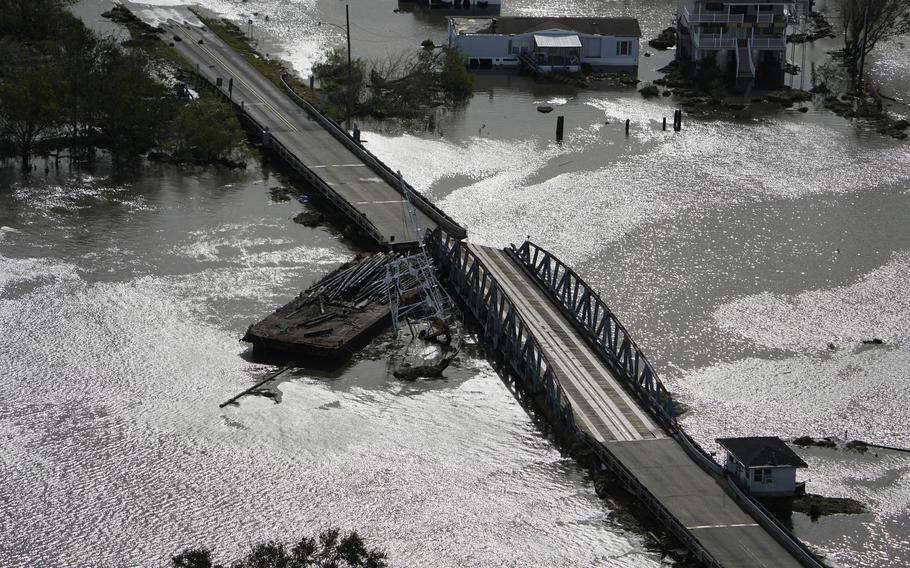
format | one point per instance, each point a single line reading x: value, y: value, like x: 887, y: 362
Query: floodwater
x: 735, y: 251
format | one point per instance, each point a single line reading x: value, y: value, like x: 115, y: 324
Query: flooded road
x: 735, y: 252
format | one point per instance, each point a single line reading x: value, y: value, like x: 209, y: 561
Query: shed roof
x: 619, y: 27
x: 557, y: 41
x: 762, y: 451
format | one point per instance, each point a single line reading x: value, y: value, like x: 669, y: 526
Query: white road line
x: 378, y: 202
x: 722, y: 526
x: 341, y: 166
x: 622, y: 428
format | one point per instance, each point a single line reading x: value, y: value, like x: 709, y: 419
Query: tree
x: 78, y: 53
x: 881, y: 20
x: 455, y: 79
x: 330, y: 549
x: 29, y: 109
x: 193, y: 558
x: 131, y: 109
x: 341, y: 89
x: 206, y: 130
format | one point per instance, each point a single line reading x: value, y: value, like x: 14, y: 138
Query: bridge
x: 353, y: 180
x: 557, y: 336
x: 569, y: 350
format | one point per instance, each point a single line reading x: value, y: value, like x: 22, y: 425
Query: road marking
x: 251, y: 90
x: 341, y: 166
x: 722, y: 526
x: 378, y: 202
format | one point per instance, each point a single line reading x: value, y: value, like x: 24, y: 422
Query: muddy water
x: 735, y: 251
x: 121, y: 305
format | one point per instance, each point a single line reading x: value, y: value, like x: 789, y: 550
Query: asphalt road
x: 340, y: 168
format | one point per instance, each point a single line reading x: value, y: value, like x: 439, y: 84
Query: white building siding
x: 482, y: 46
x: 597, y: 51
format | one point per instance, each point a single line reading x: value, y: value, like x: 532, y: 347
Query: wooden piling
x: 665, y: 123
x: 560, y: 123
x: 627, y: 127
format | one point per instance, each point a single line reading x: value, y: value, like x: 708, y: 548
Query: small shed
x: 765, y: 466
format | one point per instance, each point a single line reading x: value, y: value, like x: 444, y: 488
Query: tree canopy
x: 330, y: 549
x: 875, y: 21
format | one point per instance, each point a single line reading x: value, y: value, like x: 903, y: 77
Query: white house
x: 765, y: 465
x: 548, y: 44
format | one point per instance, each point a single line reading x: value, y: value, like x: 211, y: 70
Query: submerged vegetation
x: 64, y: 88
x: 818, y: 505
x: 330, y: 549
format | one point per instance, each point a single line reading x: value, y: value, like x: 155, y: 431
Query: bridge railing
x: 505, y: 328
x: 589, y: 311
x: 385, y: 172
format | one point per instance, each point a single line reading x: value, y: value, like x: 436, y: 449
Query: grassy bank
x: 272, y: 69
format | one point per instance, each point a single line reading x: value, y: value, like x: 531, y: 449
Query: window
x: 761, y: 475
x: 623, y: 47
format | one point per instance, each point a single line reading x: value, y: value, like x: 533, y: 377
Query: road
x: 273, y: 109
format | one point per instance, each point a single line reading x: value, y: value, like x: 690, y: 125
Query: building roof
x: 557, y: 41
x: 619, y: 27
x: 762, y: 451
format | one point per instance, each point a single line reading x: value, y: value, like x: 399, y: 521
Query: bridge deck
x: 602, y: 406
x: 291, y: 125
x: 604, y: 410
x: 696, y: 500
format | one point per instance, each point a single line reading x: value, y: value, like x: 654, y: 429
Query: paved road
x: 604, y: 410
x: 291, y: 125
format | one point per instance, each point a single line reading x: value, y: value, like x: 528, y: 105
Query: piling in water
x: 560, y: 123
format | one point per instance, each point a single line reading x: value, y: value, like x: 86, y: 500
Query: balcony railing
x: 711, y: 17
x: 713, y: 41
x: 769, y: 43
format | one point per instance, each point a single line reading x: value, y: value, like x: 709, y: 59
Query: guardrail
x: 608, y: 335
x: 385, y: 172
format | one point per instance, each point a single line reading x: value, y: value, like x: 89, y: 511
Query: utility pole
x: 347, y: 19
x: 862, y: 54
